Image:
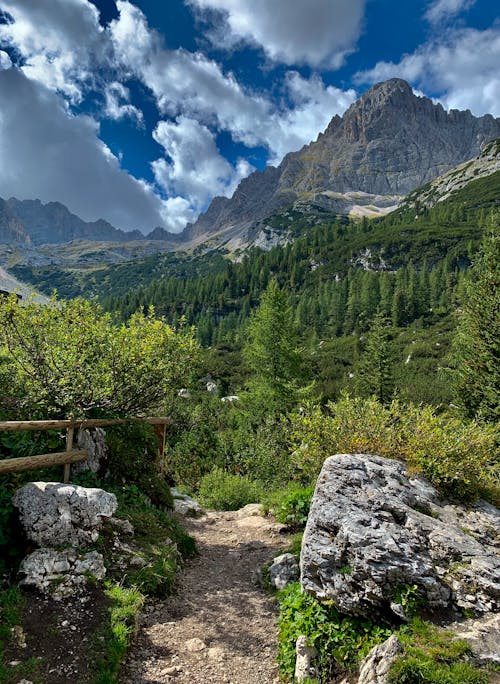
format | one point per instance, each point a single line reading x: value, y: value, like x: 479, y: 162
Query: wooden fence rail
x: 66, y: 458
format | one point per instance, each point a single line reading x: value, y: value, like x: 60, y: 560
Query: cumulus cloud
x: 441, y: 10
x: 52, y: 155
x: 302, y: 32
x: 462, y: 65
x: 195, y: 171
x: 61, y: 41
x: 190, y: 84
x: 118, y: 105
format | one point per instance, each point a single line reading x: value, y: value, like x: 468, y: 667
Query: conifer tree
x: 477, y: 343
x: 373, y: 376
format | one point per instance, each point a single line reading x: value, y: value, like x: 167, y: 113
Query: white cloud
x: 61, y: 41
x: 51, y: 155
x: 5, y: 61
x: 118, y: 104
x: 190, y: 84
x: 462, y: 66
x: 441, y: 10
x: 300, y: 32
x: 196, y: 170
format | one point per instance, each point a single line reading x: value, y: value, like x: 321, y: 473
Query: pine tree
x: 477, y: 343
x: 271, y: 350
x: 373, y: 376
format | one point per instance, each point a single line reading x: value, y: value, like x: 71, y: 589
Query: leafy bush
x: 227, y: 492
x: 291, y: 506
x: 71, y: 359
x: 341, y: 641
x: 133, y: 458
x: 459, y: 457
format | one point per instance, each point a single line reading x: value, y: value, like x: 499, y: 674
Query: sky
x: 141, y: 111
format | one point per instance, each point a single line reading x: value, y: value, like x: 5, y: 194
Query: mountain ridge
x: 389, y: 142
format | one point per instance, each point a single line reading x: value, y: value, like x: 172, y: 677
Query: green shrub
x: 227, y: 492
x: 133, y: 458
x: 158, y: 576
x: 459, y: 457
x: 341, y: 641
x: 291, y: 506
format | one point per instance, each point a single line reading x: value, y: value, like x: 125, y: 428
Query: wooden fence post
x: 69, y: 447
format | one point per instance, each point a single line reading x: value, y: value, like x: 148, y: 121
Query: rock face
x: 54, y: 514
x: 372, y: 531
x: 387, y: 143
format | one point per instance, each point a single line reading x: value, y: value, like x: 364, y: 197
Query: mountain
x: 462, y: 183
x: 387, y: 143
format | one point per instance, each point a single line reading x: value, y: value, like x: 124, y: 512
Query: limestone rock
x: 372, y: 530
x: 94, y: 442
x: 374, y: 669
x: 185, y: 505
x: 483, y: 636
x: 284, y: 569
x: 60, y: 573
x: 53, y: 514
x: 304, y: 660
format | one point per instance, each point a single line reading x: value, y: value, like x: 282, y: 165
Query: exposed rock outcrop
x: 372, y: 531
x: 54, y: 514
x: 374, y: 669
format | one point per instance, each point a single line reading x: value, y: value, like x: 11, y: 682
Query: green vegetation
x: 434, y: 656
x: 290, y: 506
x: 226, y: 492
x: 341, y: 641
x: 125, y: 605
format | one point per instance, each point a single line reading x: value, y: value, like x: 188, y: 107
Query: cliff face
x: 387, y: 143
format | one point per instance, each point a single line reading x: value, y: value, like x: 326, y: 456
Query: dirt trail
x: 220, y: 625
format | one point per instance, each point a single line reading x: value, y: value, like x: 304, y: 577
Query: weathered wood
x: 14, y: 465
x: 18, y: 425
x: 69, y: 447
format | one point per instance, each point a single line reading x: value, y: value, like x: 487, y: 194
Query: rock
x: 195, y: 645
x: 53, y: 514
x: 123, y: 526
x: 249, y: 510
x: 185, y: 505
x: 373, y: 531
x: 184, y: 393
x: 94, y: 442
x: 60, y: 573
x: 212, y: 387
x: 230, y: 399
x: 374, y: 669
x: 483, y: 636
x: 304, y: 660
x: 284, y: 569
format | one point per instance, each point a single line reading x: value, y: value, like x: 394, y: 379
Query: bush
x: 459, y: 457
x: 227, y: 492
x: 341, y: 641
x: 133, y: 458
x: 291, y: 506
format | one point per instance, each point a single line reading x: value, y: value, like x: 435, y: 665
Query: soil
x: 220, y: 626
x: 56, y: 639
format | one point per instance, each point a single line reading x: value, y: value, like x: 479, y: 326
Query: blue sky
x: 141, y: 111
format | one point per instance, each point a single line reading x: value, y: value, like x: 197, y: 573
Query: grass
x: 116, y: 635
x: 434, y: 656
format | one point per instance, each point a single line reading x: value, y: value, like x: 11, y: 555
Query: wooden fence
x: 70, y: 455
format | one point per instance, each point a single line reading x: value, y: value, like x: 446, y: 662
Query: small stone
x: 194, y: 645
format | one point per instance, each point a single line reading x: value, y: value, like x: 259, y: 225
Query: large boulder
x: 54, y: 514
x: 374, y: 533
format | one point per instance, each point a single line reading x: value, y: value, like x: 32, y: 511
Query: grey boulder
x: 373, y: 532
x: 54, y: 514
x: 60, y: 573
x: 283, y: 570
